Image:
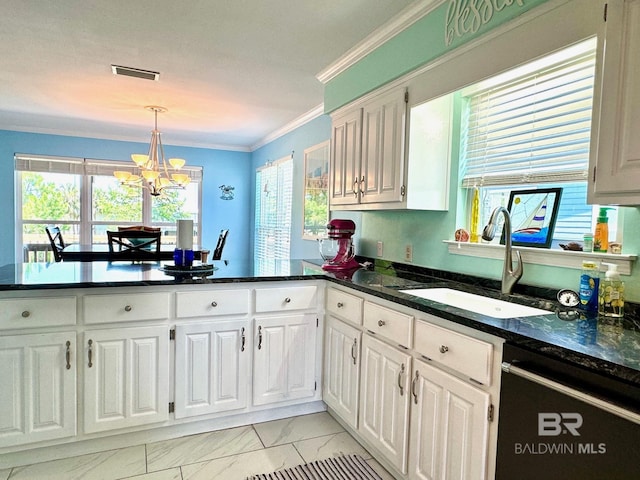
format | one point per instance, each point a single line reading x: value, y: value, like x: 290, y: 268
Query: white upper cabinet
x: 385, y: 157
x: 614, y: 174
x: 367, y: 154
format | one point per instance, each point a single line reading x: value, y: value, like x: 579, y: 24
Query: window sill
x: 542, y: 256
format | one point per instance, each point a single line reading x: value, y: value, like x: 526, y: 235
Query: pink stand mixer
x: 337, y: 250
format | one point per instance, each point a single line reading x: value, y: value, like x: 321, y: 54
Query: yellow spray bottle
x: 601, y: 235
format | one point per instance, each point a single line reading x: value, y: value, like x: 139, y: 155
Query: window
x: 84, y: 198
x: 531, y: 127
x: 274, y: 194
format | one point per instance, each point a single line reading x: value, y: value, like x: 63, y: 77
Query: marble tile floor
x: 231, y: 454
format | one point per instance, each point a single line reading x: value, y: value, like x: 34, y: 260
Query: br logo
x: 551, y: 424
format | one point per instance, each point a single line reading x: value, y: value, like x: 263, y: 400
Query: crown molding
x: 397, y: 24
x: 289, y: 127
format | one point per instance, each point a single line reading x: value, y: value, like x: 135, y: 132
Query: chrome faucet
x: 509, y: 276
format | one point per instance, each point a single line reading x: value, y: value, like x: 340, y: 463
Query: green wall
x: 415, y: 46
x: 425, y: 230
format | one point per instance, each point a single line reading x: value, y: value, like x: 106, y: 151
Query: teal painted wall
x: 219, y: 167
x: 425, y: 230
x: 415, y: 46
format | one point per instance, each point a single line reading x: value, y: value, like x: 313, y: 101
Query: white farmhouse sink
x: 476, y: 303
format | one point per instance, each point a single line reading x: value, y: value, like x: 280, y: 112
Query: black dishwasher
x: 557, y: 421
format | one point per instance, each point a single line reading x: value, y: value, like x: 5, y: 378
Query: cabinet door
x: 384, y: 395
x: 126, y: 377
x: 212, y: 367
x: 345, y: 158
x: 383, y: 125
x: 449, y: 427
x: 615, y: 147
x: 37, y: 387
x: 284, y: 358
x: 342, y: 369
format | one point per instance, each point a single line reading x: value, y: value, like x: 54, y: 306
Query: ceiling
x: 232, y: 72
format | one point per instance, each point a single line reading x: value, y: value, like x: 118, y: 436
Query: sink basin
x: 490, y: 307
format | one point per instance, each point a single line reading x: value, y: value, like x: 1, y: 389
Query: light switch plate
x: 379, y: 252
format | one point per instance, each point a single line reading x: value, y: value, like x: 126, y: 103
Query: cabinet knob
x: 287, y: 300
x: 128, y: 308
x: 26, y: 313
x: 381, y: 323
x: 444, y: 349
x: 214, y: 304
x: 340, y: 304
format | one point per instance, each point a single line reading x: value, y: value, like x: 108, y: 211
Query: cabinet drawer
x: 471, y: 357
x: 16, y: 313
x: 344, y: 305
x: 212, y: 303
x: 286, y: 298
x: 126, y: 307
x: 388, y: 323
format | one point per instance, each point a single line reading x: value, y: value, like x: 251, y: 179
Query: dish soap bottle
x: 601, y: 236
x: 589, y: 281
x: 611, y: 293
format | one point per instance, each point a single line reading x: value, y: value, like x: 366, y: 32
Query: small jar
x: 588, y: 242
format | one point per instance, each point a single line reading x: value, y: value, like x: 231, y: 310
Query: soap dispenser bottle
x: 611, y: 293
x: 601, y: 236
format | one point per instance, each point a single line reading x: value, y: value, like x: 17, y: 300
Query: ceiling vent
x: 135, y: 72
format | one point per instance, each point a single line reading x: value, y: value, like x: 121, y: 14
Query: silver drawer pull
x: 381, y: 323
x: 243, y: 340
x: 128, y: 308
x: 68, y: 354
x: 287, y: 300
x: 354, y: 351
x: 413, y: 387
x: 259, y: 337
x: 26, y: 314
x: 400, y: 385
x: 444, y: 349
x: 340, y: 304
x: 214, y: 304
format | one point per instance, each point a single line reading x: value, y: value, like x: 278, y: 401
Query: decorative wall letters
x: 467, y: 16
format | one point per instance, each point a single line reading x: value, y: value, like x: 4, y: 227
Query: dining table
x: 99, y: 252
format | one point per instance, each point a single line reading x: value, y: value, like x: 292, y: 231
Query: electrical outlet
x: 379, y: 249
x: 408, y: 252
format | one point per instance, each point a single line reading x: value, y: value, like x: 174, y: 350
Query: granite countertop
x: 607, y: 346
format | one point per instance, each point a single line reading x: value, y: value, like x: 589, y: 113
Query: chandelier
x: 154, y: 173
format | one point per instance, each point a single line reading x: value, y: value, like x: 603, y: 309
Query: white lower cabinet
x: 212, y: 367
x: 126, y: 377
x: 284, y: 356
x: 342, y: 369
x: 449, y: 426
x: 384, y: 394
x: 37, y: 387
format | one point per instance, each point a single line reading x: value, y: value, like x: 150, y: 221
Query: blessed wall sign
x: 467, y: 16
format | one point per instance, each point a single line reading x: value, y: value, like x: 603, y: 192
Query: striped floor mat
x: 345, y: 467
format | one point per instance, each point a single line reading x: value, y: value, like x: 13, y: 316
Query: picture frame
x: 315, y: 209
x: 533, y: 216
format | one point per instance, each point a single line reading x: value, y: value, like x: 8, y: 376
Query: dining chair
x: 57, y: 242
x: 134, y: 245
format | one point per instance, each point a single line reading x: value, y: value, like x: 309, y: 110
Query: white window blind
x: 532, y: 129
x: 84, y: 166
x: 274, y: 196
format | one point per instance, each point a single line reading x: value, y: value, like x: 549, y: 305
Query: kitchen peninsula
x: 127, y: 346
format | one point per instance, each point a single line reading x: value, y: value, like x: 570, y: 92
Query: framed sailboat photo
x: 533, y: 216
